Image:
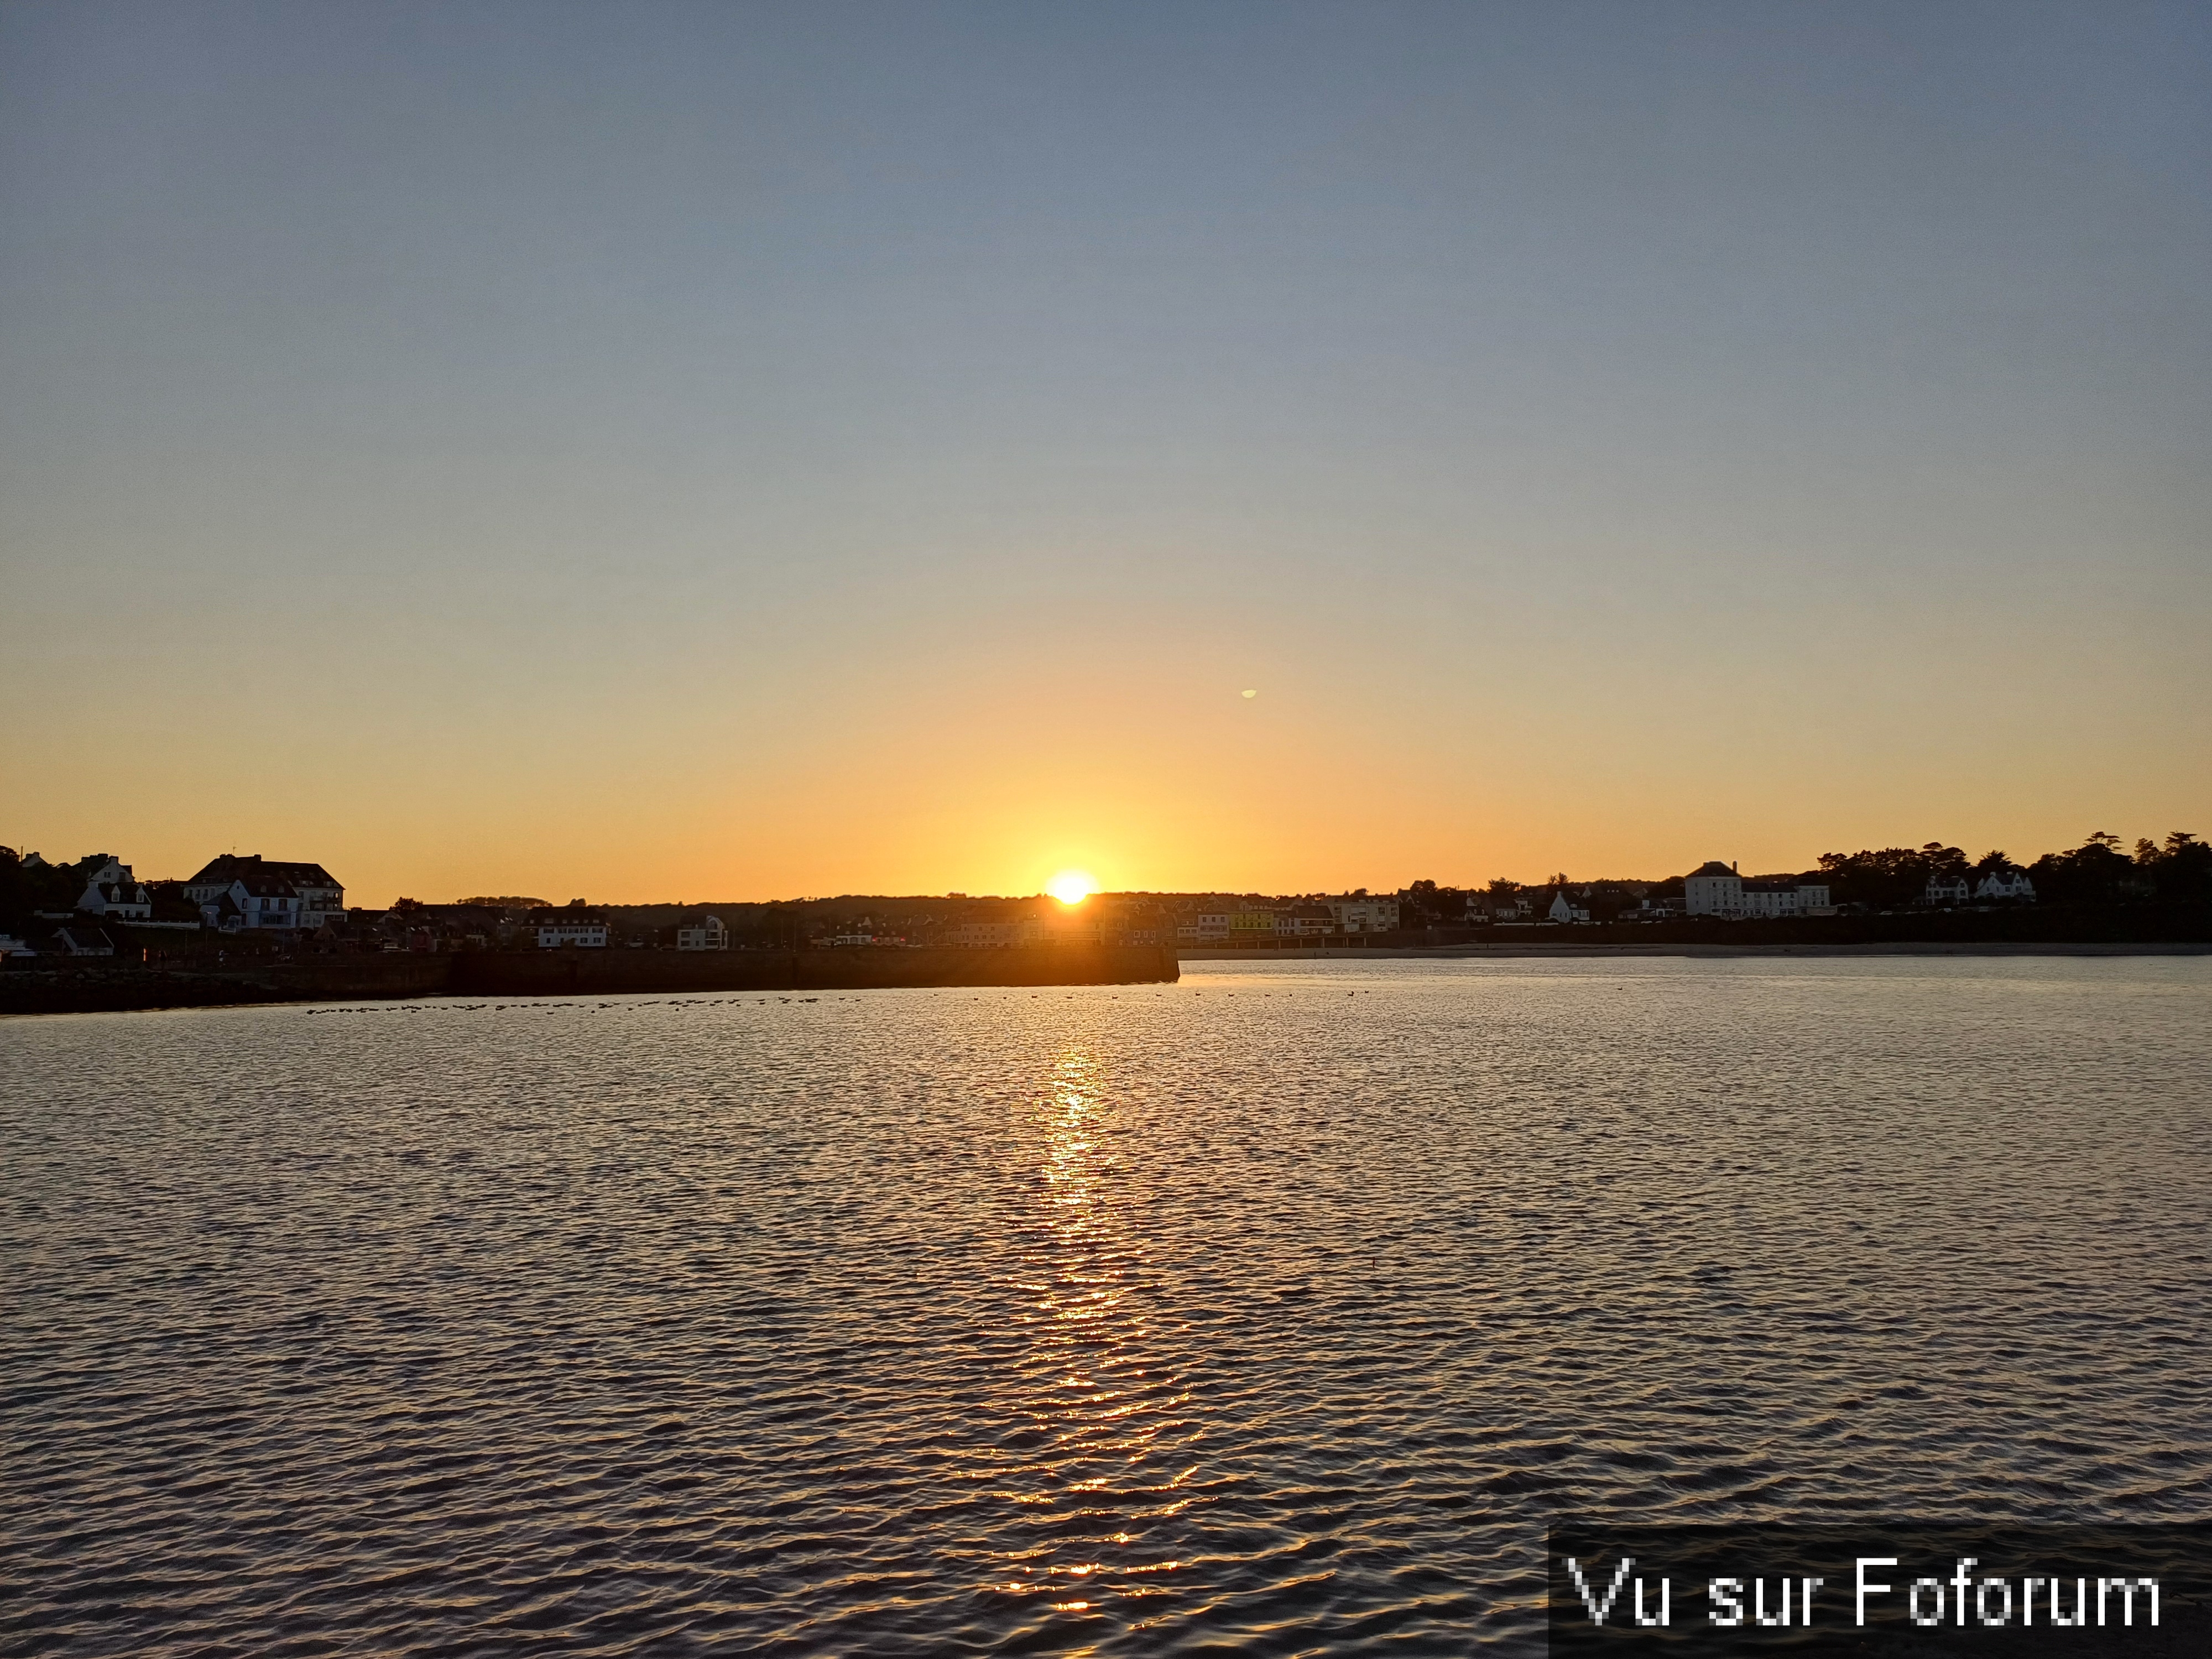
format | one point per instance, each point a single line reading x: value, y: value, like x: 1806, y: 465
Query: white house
x: 254, y: 900
x: 2007, y: 884
x: 1560, y: 910
x: 110, y: 889
x: 1359, y: 915
x: 574, y: 925
x: 320, y: 898
x: 703, y: 933
x: 1940, y: 891
x: 1785, y: 898
x: 1714, y: 888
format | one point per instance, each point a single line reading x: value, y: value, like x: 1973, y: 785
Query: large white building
x: 318, y: 897
x: 1715, y: 888
x: 252, y: 901
x: 2008, y: 885
x: 1363, y: 915
x: 1785, y: 898
x: 574, y: 926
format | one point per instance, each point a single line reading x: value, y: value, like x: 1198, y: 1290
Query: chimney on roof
x: 1732, y: 869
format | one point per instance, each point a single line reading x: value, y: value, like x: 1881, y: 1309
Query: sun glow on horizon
x: 1072, y: 887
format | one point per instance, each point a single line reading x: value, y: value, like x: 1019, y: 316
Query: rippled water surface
x: 1270, y: 1313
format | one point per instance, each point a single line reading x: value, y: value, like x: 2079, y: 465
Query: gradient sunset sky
x: 657, y: 451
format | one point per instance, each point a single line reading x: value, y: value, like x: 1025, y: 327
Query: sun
x: 1071, y: 886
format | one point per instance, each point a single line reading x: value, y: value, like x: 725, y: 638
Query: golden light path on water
x: 1099, y: 1427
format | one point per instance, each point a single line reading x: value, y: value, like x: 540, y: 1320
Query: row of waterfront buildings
x: 247, y: 894
x: 1716, y: 889
x: 232, y: 894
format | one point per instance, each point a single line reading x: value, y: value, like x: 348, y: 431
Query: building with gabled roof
x: 110, y: 889
x: 1942, y: 890
x: 256, y: 901
x: 575, y: 924
x: 701, y: 934
x: 1714, y: 888
x: 77, y: 940
x: 320, y: 898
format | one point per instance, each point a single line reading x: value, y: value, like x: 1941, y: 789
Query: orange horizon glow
x: 974, y: 774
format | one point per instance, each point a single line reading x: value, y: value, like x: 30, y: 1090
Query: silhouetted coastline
x: 106, y: 988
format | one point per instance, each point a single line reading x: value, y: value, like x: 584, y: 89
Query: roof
x: 1712, y: 867
x: 261, y: 884
x: 231, y: 866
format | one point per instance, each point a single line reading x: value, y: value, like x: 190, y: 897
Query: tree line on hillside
x: 2178, y: 871
x: 28, y: 889
x: 2097, y: 872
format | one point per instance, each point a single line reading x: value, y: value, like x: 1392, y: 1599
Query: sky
x: 661, y: 451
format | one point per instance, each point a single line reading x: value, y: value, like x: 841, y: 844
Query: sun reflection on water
x: 1104, y: 1441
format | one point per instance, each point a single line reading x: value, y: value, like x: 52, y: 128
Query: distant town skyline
x: 753, y: 450
x: 1074, y: 887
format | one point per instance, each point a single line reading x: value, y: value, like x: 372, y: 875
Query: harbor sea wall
x: 586, y: 972
x: 57, y: 986
x: 88, y: 988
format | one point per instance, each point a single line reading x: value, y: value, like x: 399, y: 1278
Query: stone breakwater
x: 571, y: 973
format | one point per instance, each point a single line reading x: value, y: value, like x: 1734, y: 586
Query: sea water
x: 1276, y: 1311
